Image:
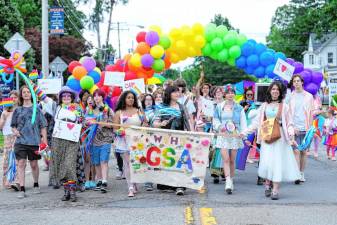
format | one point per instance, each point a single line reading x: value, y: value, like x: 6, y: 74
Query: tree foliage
x: 293, y: 23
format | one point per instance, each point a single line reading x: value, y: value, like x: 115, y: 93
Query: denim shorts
x: 100, y: 154
x: 299, y: 138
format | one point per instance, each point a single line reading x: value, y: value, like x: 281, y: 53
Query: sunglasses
x: 249, y: 94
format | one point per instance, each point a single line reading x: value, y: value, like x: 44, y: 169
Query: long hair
x: 143, y: 100
x: 281, y: 89
x: 13, y: 92
x: 20, y: 95
x: 246, y: 90
x: 291, y: 83
x: 167, y: 94
x: 121, y: 104
x: 209, y: 87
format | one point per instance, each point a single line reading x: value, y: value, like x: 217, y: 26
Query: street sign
x: 17, y: 43
x: 56, y: 15
x: 58, y: 66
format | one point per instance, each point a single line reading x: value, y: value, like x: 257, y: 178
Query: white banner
x: 137, y: 84
x: 169, y: 157
x: 114, y: 79
x: 284, y: 69
x: 50, y: 86
x: 67, y: 130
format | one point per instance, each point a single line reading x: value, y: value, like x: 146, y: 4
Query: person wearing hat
x: 64, y: 159
x: 229, y: 119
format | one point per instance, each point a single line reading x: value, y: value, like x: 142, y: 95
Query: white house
x: 322, y: 54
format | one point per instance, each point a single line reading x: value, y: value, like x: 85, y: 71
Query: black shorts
x: 26, y: 151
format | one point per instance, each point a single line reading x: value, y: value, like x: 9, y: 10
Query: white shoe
x: 229, y: 186
x: 21, y: 194
x: 119, y: 175
x: 302, y: 179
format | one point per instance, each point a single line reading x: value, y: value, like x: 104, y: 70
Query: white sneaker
x: 21, y: 194
x: 232, y: 184
x: 36, y: 190
x: 302, y: 179
x: 229, y: 185
x: 119, y: 175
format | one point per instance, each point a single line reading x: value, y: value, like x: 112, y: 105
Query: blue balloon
x: 266, y: 58
x: 253, y: 61
x: 249, y: 70
x: 269, y: 71
x: 280, y: 55
x: 259, y: 72
x: 95, y: 75
x: 259, y: 48
x: 247, y: 49
x: 241, y: 62
x: 74, y: 84
x: 252, y: 41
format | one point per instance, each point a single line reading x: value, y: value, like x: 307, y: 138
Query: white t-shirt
x: 189, y: 105
x: 299, y: 114
x: 7, y: 130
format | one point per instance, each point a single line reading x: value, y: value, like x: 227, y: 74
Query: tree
x: 171, y: 74
x: 10, y: 23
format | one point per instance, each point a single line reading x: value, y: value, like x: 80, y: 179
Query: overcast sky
x: 252, y: 17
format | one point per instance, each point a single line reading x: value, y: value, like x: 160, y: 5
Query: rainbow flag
x: 7, y: 102
x: 135, y: 90
x: 34, y: 75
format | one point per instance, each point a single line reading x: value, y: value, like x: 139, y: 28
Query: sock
x: 22, y: 188
x: 36, y: 184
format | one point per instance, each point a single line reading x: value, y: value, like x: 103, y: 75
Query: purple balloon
x: 306, y: 75
x: 290, y: 61
x: 147, y: 60
x: 152, y: 38
x: 89, y: 63
x: 317, y: 78
x: 298, y: 67
x: 311, y: 88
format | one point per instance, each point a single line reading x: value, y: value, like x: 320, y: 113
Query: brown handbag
x: 271, y: 129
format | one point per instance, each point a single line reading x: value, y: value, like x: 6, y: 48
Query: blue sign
x: 6, y: 88
x: 56, y: 20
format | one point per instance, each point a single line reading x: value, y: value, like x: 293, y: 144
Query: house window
x: 311, y: 59
x: 330, y: 57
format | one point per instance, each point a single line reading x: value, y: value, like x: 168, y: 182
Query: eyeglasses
x: 249, y: 94
x: 66, y: 96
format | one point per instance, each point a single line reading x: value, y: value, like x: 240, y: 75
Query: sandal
x: 131, y: 193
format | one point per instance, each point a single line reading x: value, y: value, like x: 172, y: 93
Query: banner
x: 50, y: 86
x: 169, y: 157
x: 67, y: 130
x: 137, y: 84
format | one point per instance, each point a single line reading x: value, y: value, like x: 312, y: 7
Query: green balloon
x: 223, y: 55
x: 221, y: 31
x: 87, y: 82
x: 214, y: 55
x: 71, y: 77
x: 211, y: 26
x: 165, y: 41
x: 229, y: 40
x: 234, y: 52
x: 217, y: 44
x: 231, y: 62
x: 158, y: 65
x: 207, y: 50
x: 233, y: 32
x: 210, y: 34
x: 241, y: 39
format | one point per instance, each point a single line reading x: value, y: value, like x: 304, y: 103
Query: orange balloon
x: 132, y: 67
x: 79, y: 72
x: 127, y: 57
x: 143, y: 48
x: 167, y: 62
x: 141, y: 75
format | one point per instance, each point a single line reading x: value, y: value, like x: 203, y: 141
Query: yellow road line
x: 189, y: 216
x: 206, y: 216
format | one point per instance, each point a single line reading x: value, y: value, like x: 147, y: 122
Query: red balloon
x: 130, y: 76
x: 141, y: 36
x: 111, y: 68
x: 72, y: 65
x: 117, y: 91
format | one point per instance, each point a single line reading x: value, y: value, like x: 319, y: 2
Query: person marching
x: 330, y: 130
x: 301, y: 107
x: 277, y: 161
x: 229, y: 119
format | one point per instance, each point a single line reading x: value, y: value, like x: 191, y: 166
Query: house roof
x: 318, y: 43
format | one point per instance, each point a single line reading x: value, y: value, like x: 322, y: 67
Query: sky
x: 251, y: 17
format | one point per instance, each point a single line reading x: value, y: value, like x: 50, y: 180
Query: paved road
x: 314, y: 202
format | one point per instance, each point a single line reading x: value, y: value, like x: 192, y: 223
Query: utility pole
x: 119, y: 41
x: 45, y: 43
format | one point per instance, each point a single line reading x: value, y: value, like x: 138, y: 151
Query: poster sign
x: 114, y: 79
x: 332, y: 84
x: 67, y: 130
x: 207, y: 107
x: 50, y: 86
x: 56, y: 20
x: 169, y: 157
x: 284, y: 69
x: 137, y: 84
x: 5, y: 88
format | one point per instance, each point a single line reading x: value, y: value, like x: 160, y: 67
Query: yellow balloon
x: 136, y: 60
x: 93, y: 89
x: 198, y: 28
x: 191, y: 52
x: 175, y: 33
x: 188, y: 34
x: 199, y: 41
x: 181, y: 45
x: 174, y: 58
x: 98, y: 70
x: 157, y: 51
x: 156, y: 29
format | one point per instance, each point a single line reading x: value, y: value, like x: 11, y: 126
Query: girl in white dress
x: 277, y: 160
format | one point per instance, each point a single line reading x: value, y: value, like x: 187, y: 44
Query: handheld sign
x: 284, y: 69
x: 114, y: 79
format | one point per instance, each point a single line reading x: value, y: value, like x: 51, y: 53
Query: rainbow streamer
x: 7, y: 102
x: 39, y: 93
x: 309, y: 136
x: 11, y: 171
x: 135, y: 90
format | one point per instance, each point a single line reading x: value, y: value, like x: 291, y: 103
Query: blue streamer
x: 309, y: 136
x: 11, y: 171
